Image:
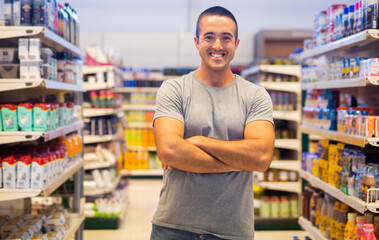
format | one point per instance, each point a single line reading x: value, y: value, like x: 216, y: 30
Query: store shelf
x: 104, y: 190
x: 136, y: 148
x: 136, y: 89
x: 361, y: 38
x: 97, y: 112
x: 96, y: 165
x: 17, y: 84
x: 139, y: 107
x: 11, y: 194
x: 76, y: 222
x: 282, y: 86
x: 307, y: 226
x: 294, y: 144
x: 287, y: 115
x: 356, y: 203
x: 291, y: 165
x: 143, y: 173
x: 99, y: 69
x: 270, y: 224
x: 47, y: 37
x: 343, y: 83
x: 140, y: 125
x: 87, y: 139
x: 341, y: 137
x: 12, y: 137
x: 97, y: 86
x: 294, y: 187
x: 278, y: 69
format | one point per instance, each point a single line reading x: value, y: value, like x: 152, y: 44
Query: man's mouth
x: 217, y: 55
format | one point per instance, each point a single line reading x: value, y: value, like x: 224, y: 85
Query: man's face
x: 216, y: 42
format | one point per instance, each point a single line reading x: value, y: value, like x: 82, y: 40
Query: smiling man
x: 212, y: 130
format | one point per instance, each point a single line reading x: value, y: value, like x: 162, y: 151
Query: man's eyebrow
x: 224, y: 33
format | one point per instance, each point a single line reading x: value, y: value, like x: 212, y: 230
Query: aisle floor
x: 143, y: 199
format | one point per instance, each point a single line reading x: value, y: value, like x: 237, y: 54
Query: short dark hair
x: 216, y: 11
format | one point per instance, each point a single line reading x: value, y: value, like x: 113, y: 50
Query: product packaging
x: 24, y: 69
x: 62, y: 115
x: 39, y: 169
x: 41, y: 117
x: 1, y: 177
x: 10, y: 172
x: 54, y: 115
x: 23, y: 171
x: 25, y: 116
x: 9, y: 115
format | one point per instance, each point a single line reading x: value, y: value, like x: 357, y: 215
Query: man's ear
x: 196, y: 40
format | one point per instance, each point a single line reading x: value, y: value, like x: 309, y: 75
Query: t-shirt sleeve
x: 261, y: 107
x: 169, y: 101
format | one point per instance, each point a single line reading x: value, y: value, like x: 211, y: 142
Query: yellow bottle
x: 350, y: 226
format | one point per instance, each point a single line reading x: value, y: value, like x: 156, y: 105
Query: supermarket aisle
x: 143, y: 198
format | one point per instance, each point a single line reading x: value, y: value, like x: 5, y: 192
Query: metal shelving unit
x: 343, y: 83
x: 13, y: 137
x: 294, y: 116
x: 293, y: 144
x: 278, y: 69
x: 362, y: 38
x: 20, y: 89
x: 143, y: 173
x: 97, y: 112
x: 138, y: 107
x: 294, y: 187
x: 341, y: 137
x: 104, y: 190
x: 140, y: 125
x: 359, y: 43
x: 356, y: 203
x: 307, y: 226
x: 137, y: 89
x: 291, y: 165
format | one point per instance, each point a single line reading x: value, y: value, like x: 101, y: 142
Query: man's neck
x: 215, y: 79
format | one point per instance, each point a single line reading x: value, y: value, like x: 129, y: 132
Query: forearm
x: 185, y: 156
x: 245, y: 154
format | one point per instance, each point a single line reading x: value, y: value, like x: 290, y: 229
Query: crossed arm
x: 200, y: 154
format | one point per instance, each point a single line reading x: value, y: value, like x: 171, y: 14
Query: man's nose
x: 217, y: 44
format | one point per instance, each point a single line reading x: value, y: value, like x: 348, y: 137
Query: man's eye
x: 227, y: 38
x: 208, y: 37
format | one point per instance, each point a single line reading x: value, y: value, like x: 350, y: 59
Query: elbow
x: 166, y: 156
x: 263, y: 163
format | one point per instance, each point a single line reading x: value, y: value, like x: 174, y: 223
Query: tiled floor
x: 143, y: 199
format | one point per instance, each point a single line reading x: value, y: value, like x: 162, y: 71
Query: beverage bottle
x: 312, y: 207
x: 369, y: 216
x: 376, y: 226
x: 350, y: 226
x: 368, y: 232
x: 319, y: 203
x: 333, y: 219
x: 358, y: 233
x: 370, y: 184
x: 341, y: 221
x: 324, y: 215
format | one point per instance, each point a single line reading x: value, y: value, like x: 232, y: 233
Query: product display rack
x: 12, y: 137
x: 343, y: 83
x: 355, y: 203
x: 102, y: 222
x: 16, y: 89
x: 366, y: 37
x: 11, y: 194
x: 137, y: 89
x: 104, y: 190
x: 307, y: 226
x: 291, y: 144
x: 138, y: 107
x: 360, y: 43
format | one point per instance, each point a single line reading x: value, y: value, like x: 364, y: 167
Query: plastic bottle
x: 358, y: 232
x: 333, y: 220
x: 368, y: 232
x: 369, y: 216
x: 324, y: 215
x: 312, y: 207
x: 350, y: 226
x: 319, y: 203
x: 370, y: 184
x: 376, y: 226
x: 26, y: 12
x: 341, y: 221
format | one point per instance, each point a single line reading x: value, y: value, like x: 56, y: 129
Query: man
x: 212, y: 129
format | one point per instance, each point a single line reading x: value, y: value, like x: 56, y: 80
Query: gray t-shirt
x: 213, y: 203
